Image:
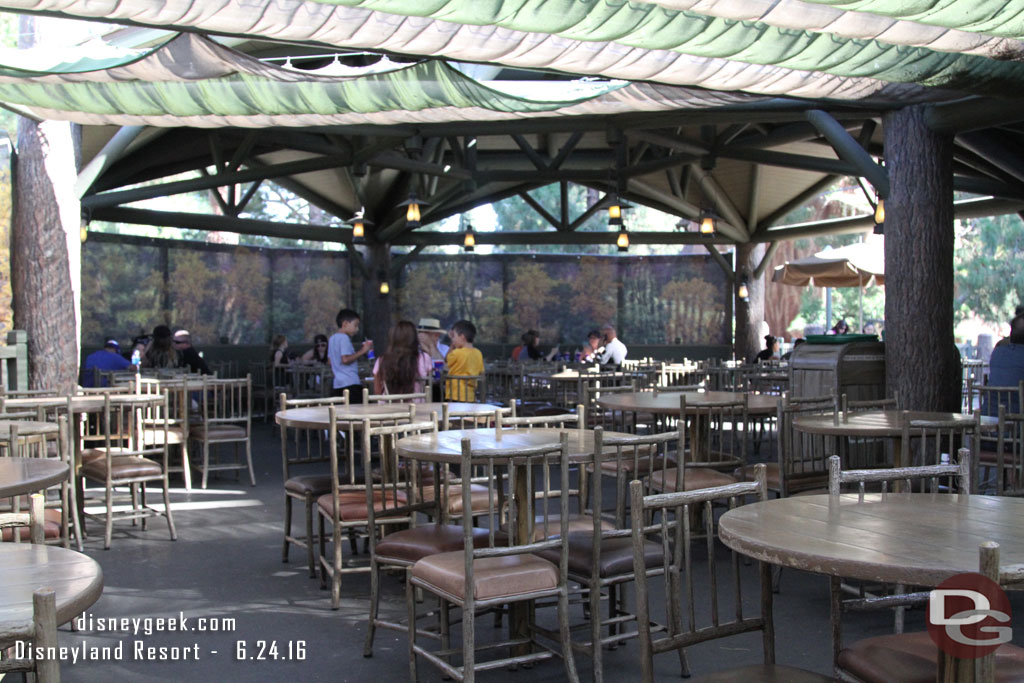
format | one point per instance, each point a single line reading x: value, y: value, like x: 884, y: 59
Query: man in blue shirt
x: 343, y: 356
x: 1006, y: 366
x: 107, y: 358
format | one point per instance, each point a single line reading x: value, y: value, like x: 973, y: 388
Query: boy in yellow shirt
x: 463, y: 359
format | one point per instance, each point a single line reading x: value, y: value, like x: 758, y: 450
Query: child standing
x: 463, y: 359
x: 343, y: 356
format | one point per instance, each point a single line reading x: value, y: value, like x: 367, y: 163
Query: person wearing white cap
x: 107, y: 358
x: 429, y: 331
x: 190, y: 358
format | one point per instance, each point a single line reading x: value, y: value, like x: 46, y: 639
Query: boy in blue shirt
x: 343, y: 356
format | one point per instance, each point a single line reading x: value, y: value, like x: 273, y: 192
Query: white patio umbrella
x: 855, y: 265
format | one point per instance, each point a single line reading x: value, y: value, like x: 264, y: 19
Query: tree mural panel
x: 308, y: 291
x: 454, y: 289
x: 674, y: 301
x: 122, y: 291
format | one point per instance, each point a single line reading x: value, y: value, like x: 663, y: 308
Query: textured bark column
x: 377, y: 317
x: 43, y: 250
x: 749, y: 314
x: 921, y: 361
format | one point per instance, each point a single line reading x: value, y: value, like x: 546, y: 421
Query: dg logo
x: 969, y: 616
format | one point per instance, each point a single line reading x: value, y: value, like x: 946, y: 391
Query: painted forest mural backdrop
x: 246, y: 295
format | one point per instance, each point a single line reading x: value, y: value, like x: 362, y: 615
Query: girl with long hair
x: 317, y: 354
x: 400, y: 369
x: 279, y: 351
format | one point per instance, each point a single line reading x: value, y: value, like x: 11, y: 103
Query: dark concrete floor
x: 226, y: 565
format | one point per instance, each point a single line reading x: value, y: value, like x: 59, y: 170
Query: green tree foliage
x: 122, y: 291
x: 989, y: 276
x: 450, y: 290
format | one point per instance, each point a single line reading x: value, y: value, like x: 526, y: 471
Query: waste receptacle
x: 834, y: 365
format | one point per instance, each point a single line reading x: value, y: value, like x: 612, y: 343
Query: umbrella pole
x: 860, y: 307
x: 828, y: 309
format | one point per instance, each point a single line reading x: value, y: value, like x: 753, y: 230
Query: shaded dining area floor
x: 249, y: 617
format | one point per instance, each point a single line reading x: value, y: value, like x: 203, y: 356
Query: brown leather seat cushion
x: 352, y: 504
x: 764, y: 673
x: 912, y: 657
x: 479, y: 498
x: 217, y: 432
x: 616, y: 555
x: 493, y: 577
x: 313, y: 484
x: 51, y: 527
x: 411, y: 545
x: 746, y: 473
x: 90, y: 454
x: 694, y: 478
x: 121, y: 467
x: 641, y: 468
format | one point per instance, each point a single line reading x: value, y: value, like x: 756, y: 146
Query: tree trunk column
x: 377, y: 307
x: 921, y: 361
x: 749, y: 314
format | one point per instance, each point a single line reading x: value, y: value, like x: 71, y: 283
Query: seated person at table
x: 106, y: 359
x: 591, y: 348
x: 1006, y: 366
x: 463, y: 360
x: 530, y: 350
x: 796, y: 342
x: 429, y: 332
x: 343, y: 356
x: 279, y: 351
x: 161, y: 353
x: 614, y: 350
x: 317, y: 354
x: 401, y: 369
x: 840, y: 328
x: 190, y: 358
x: 771, y: 348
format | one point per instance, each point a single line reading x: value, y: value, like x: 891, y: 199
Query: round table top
x: 26, y: 427
x: 883, y: 423
x: 910, y: 538
x: 27, y: 475
x: 75, y: 578
x: 667, y: 402
x: 316, y: 417
x: 447, y: 446
x: 82, y: 403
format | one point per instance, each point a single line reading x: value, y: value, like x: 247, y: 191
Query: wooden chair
x: 402, y: 548
x: 1008, y: 459
x: 673, y: 535
x: 308, y: 380
x: 601, y: 558
x: 503, y: 573
x: 133, y: 461
x: 941, y: 478
x: 22, y: 526
x: 932, y: 442
x: 464, y: 388
x: 179, y: 401
x: 452, y: 418
x: 801, y: 458
x: 306, y: 449
x: 42, y: 631
x: 226, y: 419
x: 913, y: 657
x: 421, y: 396
x: 705, y: 472
x: 347, y: 507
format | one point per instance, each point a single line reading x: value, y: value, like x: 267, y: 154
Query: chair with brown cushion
x: 25, y: 526
x: 954, y: 476
x: 403, y: 547
x: 718, y: 446
x: 997, y: 446
x: 1008, y: 458
x: 601, y: 558
x: 178, y: 404
x: 305, y: 449
x: 346, y: 506
x: 504, y: 573
x: 711, y: 610
x: 914, y: 657
x: 934, y: 442
x: 131, y: 456
x: 226, y: 419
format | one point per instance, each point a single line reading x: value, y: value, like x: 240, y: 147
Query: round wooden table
x: 75, y: 578
x: 886, y: 424
x: 908, y: 538
x: 667, y: 402
x: 446, y: 447
x: 26, y: 428
x: 317, y: 417
x: 28, y: 475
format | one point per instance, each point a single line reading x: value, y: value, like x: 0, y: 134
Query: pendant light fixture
x: 469, y: 241
x: 622, y: 241
x: 743, y: 293
x: 412, y: 211
x: 359, y: 223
